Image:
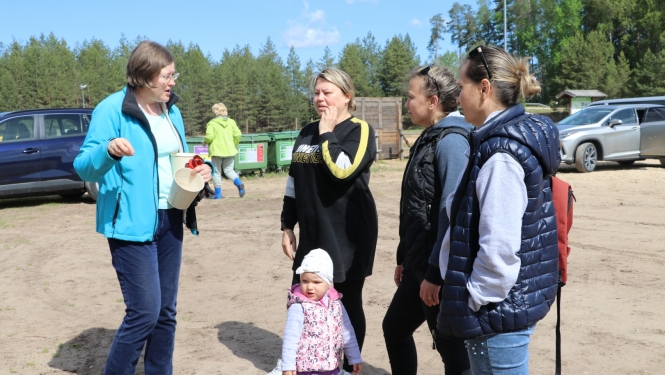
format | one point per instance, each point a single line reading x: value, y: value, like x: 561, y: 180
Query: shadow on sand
x: 262, y: 347
x: 86, y: 353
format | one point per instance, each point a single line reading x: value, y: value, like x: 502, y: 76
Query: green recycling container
x: 196, y: 146
x: 280, y: 149
x: 251, y: 154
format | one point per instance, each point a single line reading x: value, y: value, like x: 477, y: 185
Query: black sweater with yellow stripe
x: 333, y: 205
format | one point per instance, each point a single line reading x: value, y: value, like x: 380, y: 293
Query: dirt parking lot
x: 60, y: 302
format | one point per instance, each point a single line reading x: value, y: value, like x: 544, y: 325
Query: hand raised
x: 328, y: 120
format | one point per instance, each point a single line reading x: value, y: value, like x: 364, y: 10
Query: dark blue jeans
x: 148, y: 273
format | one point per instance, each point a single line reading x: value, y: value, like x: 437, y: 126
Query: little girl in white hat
x: 317, y: 328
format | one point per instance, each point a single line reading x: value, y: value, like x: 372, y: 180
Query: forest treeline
x: 614, y: 46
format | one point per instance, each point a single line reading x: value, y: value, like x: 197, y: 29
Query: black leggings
x: 405, y: 314
x: 352, y: 299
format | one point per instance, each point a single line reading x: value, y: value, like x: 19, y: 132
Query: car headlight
x: 566, y: 135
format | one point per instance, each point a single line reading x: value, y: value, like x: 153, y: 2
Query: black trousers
x: 352, y: 299
x: 405, y: 314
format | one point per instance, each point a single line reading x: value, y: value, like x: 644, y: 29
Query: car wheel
x: 586, y: 157
x: 626, y: 162
x: 93, y: 190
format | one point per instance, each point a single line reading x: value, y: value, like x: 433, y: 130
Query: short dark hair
x: 145, y: 63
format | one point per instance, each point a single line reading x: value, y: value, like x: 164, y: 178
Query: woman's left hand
x: 328, y: 120
x: 429, y: 293
x: 205, y: 171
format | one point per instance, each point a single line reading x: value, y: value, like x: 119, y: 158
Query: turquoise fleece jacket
x: 128, y: 186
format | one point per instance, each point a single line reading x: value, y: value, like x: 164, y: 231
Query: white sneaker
x: 278, y: 369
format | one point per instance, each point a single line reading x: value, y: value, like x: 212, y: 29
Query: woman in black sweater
x: 328, y: 196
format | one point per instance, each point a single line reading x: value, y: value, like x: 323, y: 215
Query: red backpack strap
x: 562, y: 198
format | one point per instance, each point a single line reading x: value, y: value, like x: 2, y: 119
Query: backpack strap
x: 429, y: 158
x: 557, y: 371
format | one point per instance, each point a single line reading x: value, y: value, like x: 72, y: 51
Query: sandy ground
x: 60, y: 302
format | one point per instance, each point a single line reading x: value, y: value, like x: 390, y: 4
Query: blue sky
x: 218, y: 25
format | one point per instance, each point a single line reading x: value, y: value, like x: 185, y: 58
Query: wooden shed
x: 579, y: 99
x: 385, y: 116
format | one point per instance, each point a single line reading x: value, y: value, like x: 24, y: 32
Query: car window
x: 62, y: 125
x: 655, y: 114
x: 627, y: 116
x: 587, y: 116
x: 17, y: 128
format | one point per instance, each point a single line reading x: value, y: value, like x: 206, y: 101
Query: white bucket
x: 186, y: 185
x: 179, y: 159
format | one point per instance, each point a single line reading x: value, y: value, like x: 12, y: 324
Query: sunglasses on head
x: 482, y: 57
x: 425, y: 72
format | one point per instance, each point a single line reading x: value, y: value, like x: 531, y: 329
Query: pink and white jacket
x: 316, y: 333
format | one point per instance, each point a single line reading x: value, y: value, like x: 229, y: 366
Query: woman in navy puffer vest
x: 499, y: 255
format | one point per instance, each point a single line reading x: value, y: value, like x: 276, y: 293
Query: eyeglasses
x: 425, y: 72
x: 482, y: 56
x: 174, y: 76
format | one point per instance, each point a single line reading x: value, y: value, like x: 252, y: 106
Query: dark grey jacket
x: 429, y: 177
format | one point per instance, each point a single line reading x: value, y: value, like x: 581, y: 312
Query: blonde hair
x: 440, y: 82
x: 510, y: 76
x: 219, y: 109
x: 340, y: 79
x: 146, y: 62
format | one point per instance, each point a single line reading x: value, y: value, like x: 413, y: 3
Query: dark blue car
x: 37, y: 151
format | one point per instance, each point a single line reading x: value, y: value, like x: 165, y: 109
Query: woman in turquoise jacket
x: 222, y: 138
x: 127, y: 151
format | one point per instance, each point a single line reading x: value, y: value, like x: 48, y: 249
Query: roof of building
x: 587, y: 93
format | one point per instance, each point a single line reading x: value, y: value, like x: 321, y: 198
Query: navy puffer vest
x: 533, y: 141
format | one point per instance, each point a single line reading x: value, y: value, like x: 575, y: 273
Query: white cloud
x: 310, y: 30
x: 300, y: 36
x: 316, y: 16
x: 416, y: 22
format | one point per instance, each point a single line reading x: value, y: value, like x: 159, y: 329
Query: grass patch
x: 6, y: 224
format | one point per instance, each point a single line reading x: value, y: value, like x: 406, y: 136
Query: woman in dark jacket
x: 499, y: 256
x: 328, y: 196
x: 435, y: 161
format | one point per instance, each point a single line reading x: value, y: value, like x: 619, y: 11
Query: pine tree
x: 326, y: 61
x: 351, y: 62
x: 273, y: 89
x: 436, y: 35
x: 399, y: 57
x: 297, y: 110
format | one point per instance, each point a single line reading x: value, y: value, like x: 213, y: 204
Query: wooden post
x: 400, y: 126
x: 296, y: 123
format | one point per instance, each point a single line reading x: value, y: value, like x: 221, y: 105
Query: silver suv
x: 621, y: 133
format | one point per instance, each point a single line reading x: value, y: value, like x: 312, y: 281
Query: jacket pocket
x: 117, y: 209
